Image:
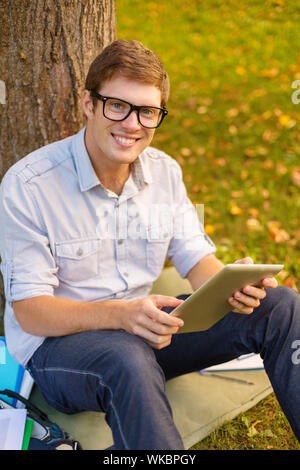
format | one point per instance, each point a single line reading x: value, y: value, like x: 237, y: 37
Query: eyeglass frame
x: 133, y: 107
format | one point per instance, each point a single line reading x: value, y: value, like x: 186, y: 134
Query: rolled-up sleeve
x: 27, y: 265
x: 189, y: 243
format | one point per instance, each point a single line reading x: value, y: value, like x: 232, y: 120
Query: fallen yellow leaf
x: 256, y: 422
x: 279, y: 235
x: 202, y: 110
x: 185, y: 152
x: 286, y: 121
x: 232, y: 112
x: 219, y: 162
x: 209, y: 229
x: 273, y: 224
x: 188, y: 122
x: 268, y: 164
x: 253, y: 212
x: 269, y: 135
x: 270, y: 73
x: 240, y: 70
x: 250, y: 152
x: 200, y: 151
x: 232, y: 130
x: 281, y: 169
x: 237, y: 193
x: 295, y: 176
x: 254, y: 225
x: 196, y: 188
x: 265, y: 193
x: 235, y: 210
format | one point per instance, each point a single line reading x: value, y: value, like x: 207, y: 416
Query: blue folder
x: 11, y: 373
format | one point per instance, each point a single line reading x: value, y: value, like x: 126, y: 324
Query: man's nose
x: 131, y: 122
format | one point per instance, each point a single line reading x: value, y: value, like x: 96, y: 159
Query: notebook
x: 13, y: 376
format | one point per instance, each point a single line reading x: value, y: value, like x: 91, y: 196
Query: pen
x: 233, y: 379
x: 246, y: 356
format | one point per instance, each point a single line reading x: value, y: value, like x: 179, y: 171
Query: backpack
x: 45, y: 435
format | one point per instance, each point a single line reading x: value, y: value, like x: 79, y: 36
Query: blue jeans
x: 120, y: 375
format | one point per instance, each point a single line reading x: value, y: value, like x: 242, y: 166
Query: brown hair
x: 132, y: 60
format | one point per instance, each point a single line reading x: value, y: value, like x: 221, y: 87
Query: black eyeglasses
x: 115, y: 109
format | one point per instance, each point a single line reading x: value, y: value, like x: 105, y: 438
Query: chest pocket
x: 77, y: 260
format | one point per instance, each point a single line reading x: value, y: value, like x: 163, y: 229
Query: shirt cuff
x: 189, y: 258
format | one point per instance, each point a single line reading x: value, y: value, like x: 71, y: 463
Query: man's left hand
x: 246, y: 300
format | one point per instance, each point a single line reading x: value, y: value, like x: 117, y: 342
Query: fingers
x: 246, y: 301
x: 156, y: 341
x: 249, y: 298
x: 155, y: 326
x: 146, y: 320
x: 165, y: 301
x: 242, y: 305
x: 256, y: 292
x: 156, y: 314
x: 246, y: 260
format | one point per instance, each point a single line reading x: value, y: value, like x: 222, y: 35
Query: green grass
x: 233, y: 127
x: 264, y: 427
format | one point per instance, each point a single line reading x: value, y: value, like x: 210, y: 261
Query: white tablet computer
x: 209, y: 303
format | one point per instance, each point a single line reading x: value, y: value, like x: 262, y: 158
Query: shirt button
x: 120, y: 242
x: 79, y: 252
x: 125, y: 274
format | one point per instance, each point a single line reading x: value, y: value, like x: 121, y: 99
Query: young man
x: 81, y: 243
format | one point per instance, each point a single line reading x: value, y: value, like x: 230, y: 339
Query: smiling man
x: 82, y: 242
x: 113, y: 142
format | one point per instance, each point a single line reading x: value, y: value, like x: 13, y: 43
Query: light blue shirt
x: 64, y: 234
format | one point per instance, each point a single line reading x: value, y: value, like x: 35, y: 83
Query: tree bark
x: 46, y: 47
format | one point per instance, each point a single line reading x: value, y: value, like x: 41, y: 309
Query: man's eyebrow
x: 130, y: 102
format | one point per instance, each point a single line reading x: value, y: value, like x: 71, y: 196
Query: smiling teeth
x: 124, y: 140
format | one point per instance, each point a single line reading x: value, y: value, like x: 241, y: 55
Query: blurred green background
x: 234, y: 129
x: 232, y: 124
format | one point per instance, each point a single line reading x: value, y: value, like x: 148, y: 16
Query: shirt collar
x: 86, y: 174
x: 141, y: 171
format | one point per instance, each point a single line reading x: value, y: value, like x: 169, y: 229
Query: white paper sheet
x: 12, y: 425
x: 246, y: 362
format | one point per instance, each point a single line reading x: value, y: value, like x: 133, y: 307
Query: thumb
x: 166, y: 301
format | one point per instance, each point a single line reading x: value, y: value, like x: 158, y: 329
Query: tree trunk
x: 46, y: 49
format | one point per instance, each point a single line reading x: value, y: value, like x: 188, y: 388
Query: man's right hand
x: 145, y: 319
x: 56, y: 316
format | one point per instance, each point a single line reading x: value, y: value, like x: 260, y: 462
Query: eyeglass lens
x: 118, y: 110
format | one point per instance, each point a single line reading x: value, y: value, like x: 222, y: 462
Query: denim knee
x: 283, y: 293
x: 285, y: 302
x: 132, y: 359
x: 278, y: 322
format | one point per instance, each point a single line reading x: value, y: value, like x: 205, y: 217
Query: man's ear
x: 87, y: 104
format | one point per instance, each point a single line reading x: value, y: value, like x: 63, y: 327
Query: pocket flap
x: 77, y: 249
x: 159, y: 233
